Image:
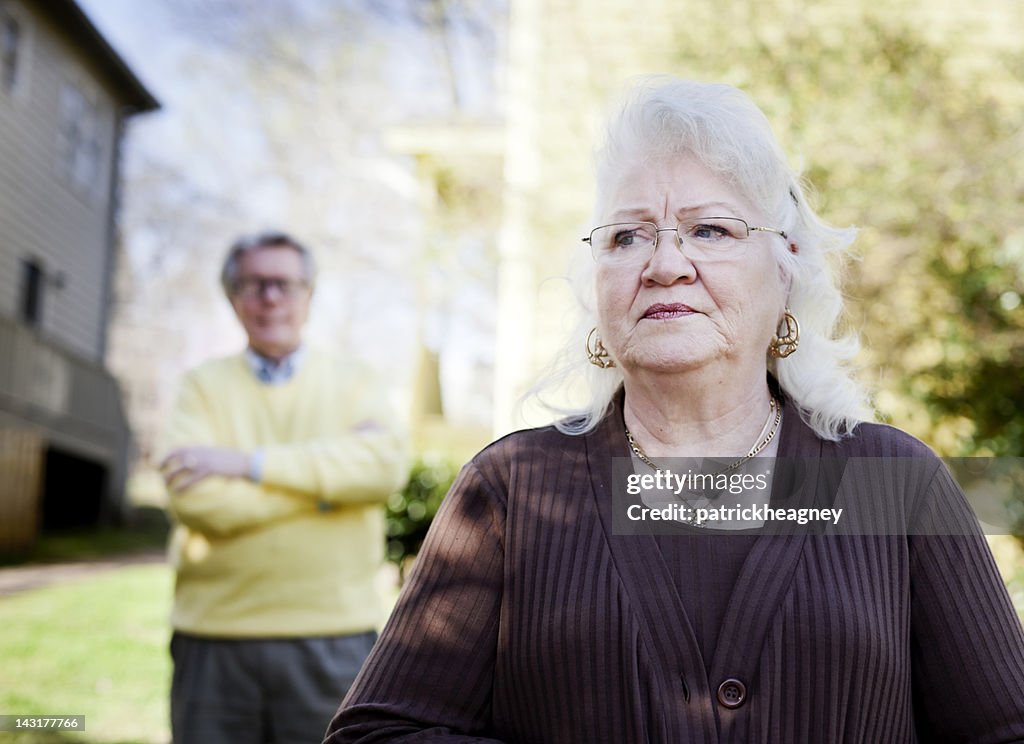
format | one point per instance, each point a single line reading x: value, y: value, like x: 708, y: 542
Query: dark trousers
x: 273, y: 691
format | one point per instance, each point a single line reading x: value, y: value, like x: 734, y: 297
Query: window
x: 32, y: 282
x: 79, y: 138
x: 10, y: 45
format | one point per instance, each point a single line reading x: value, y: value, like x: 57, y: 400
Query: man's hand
x: 186, y: 466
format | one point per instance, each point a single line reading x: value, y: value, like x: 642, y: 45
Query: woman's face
x: 676, y: 314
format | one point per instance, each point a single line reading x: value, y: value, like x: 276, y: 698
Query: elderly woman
x: 530, y: 618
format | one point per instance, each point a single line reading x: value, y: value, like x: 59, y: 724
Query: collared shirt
x: 275, y: 372
x: 270, y: 372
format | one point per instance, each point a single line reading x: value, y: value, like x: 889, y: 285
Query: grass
x: 96, y: 647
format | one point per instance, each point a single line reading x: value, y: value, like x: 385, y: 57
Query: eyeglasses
x: 705, y: 238
x: 253, y: 287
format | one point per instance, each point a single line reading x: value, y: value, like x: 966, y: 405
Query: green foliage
x: 915, y: 135
x: 410, y: 512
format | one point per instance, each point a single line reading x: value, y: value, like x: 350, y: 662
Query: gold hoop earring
x: 598, y: 355
x: 784, y: 345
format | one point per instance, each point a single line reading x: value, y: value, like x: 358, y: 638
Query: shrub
x: 411, y: 510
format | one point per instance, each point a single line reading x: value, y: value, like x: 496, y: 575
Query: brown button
x: 732, y: 693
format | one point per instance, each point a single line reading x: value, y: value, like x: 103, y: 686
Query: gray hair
x: 267, y: 239
x: 723, y: 128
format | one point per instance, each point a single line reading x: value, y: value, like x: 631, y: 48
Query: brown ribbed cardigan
x: 526, y: 620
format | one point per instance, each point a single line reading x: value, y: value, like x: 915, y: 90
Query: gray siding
x: 43, y: 214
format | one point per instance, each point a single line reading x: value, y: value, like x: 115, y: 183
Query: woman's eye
x: 709, y: 232
x: 625, y: 239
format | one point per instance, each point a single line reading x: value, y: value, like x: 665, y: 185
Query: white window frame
x: 19, y: 87
x: 80, y: 129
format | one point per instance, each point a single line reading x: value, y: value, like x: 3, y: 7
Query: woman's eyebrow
x: 709, y: 209
x: 702, y: 209
x: 631, y: 213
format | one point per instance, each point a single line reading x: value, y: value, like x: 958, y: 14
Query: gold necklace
x: 762, y: 441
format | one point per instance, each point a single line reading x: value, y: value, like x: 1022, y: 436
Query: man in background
x: 279, y: 460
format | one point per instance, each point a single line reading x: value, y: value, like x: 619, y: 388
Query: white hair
x: 723, y: 128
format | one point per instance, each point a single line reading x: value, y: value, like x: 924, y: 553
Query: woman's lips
x: 661, y: 311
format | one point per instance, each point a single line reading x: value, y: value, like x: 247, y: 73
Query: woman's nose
x: 669, y: 262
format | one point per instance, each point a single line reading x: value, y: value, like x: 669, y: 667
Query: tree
x: 907, y: 139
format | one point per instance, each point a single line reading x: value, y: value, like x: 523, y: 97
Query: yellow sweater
x: 297, y: 553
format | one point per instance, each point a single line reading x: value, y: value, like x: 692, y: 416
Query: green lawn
x: 96, y: 647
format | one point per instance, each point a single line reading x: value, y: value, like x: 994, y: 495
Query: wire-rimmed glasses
x: 252, y: 287
x: 704, y: 238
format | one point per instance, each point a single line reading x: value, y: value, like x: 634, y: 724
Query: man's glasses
x: 252, y: 287
x: 706, y: 238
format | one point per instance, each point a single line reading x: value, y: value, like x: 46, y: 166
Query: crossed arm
x: 212, y: 487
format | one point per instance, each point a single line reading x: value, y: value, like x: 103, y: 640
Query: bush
x: 411, y: 510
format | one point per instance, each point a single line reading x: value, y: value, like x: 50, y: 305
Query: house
x: 65, y: 96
